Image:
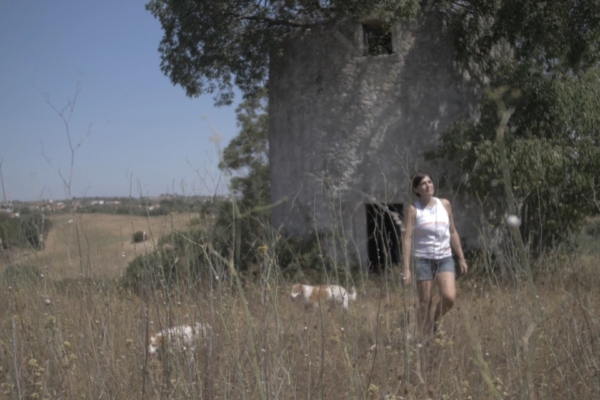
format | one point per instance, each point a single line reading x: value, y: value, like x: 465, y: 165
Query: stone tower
x: 352, y: 108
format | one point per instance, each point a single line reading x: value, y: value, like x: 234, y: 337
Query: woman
x: 431, y: 224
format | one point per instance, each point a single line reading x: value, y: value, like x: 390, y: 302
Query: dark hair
x: 418, y: 177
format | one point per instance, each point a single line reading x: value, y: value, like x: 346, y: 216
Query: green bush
x: 181, y: 258
x: 139, y: 237
x: 593, y: 229
x: 181, y: 255
x: 28, y: 230
x: 144, y: 269
x: 10, y: 232
x: 302, y: 256
x: 35, y: 228
x: 254, y: 230
x: 21, y: 273
x: 25, y: 211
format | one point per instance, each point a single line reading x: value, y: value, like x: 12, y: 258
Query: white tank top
x: 431, y: 236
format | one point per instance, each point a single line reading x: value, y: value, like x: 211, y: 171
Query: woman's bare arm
x: 409, y: 222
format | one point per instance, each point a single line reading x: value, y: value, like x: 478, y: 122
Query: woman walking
x: 430, y: 232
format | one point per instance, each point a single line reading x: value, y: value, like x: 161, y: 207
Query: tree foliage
x: 553, y: 36
x: 248, y: 152
x: 28, y: 230
x: 248, y: 156
x: 211, y: 46
x: 547, y: 54
x: 553, y: 149
x: 547, y: 51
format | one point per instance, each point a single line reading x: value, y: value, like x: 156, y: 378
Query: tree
x: 248, y: 153
x: 209, y: 46
x: 546, y: 51
x: 27, y: 230
x: 546, y: 54
x: 552, y: 143
x: 556, y: 36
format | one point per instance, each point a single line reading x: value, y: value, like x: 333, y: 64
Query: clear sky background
x: 147, y: 138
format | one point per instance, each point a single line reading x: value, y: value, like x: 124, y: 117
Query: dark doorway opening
x: 384, y: 238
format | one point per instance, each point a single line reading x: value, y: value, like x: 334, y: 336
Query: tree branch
x: 273, y: 21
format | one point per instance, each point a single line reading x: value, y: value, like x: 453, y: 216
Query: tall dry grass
x: 84, y: 338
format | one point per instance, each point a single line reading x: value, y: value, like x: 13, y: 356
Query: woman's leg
x: 424, y: 314
x: 446, y: 284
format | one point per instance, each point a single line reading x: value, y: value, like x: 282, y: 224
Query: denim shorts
x: 427, y: 268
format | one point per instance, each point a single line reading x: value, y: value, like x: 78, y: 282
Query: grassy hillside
x: 104, y: 242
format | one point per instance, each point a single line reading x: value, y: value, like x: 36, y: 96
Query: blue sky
x: 147, y: 137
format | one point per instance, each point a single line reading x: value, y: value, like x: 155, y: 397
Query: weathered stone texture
x: 346, y: 128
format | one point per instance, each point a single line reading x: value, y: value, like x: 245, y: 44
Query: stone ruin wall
x: 346, y: 128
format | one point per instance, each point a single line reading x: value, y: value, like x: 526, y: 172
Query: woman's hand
x: 464, y: 268
x: 406, y: 278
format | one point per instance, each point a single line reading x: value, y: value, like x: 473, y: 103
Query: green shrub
x: 254, y: 230
x: 593, y: 229
x: 11, y: 234
x: 144, y: 269
x: 302, y: 256
x: 21, y: 273
x: 181, y: 258
x: 28, y: 230
x: 35, y: 228
x: 139, y: 237
x: 25, y: 211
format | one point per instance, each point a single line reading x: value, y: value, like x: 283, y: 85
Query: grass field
x: 104, y: 241
x: 85, y: 337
